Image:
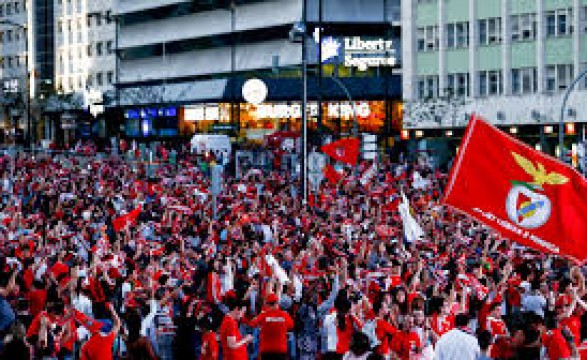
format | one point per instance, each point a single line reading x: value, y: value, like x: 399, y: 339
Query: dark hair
x: 133, y: 324
x: 462, y: 320
x: 484, y: 339
x: 360, y: 344
x: 343, y: 306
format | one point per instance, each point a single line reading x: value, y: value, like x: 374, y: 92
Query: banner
x: 412, y: 230
x: 331, y: 174
x: 526, y: 195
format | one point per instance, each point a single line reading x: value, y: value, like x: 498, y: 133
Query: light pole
x: 28, y: 87
x: 561, y: 120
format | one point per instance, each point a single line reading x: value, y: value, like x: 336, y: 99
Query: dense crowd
x: 101, y: 261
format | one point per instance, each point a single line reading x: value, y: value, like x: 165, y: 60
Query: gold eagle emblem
x: 539, y: 174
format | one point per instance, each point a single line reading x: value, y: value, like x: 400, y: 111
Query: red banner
x: 344, y: 150
x: 526, y: 195
x: 331, y: 174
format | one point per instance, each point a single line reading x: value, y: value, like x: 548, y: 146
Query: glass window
x: 450, y: 36
x: 98, y: 20
x: 89, y: 50
x: 1, y: 9
x: 9, y: 9
x: 482, y: 83
x: 9, y: 35
x: 16, y: 7
x: 482, y: 32
x: 110, y: 77
x: 99, y: 80
x: 109, y: 47
x: 550, y: 23
x: 89, y: 81
x: 421, y: 35
x: 99, y: 49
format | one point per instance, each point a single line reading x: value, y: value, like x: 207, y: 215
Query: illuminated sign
x: 364, y: 54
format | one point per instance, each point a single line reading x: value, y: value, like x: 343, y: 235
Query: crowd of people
x: 101, y: 261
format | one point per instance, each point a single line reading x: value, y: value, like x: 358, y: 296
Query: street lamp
x: 28, y: 87
x: 561, y: 125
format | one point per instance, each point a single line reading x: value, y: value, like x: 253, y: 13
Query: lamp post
x: 561, y: 121
x: 28, y: 87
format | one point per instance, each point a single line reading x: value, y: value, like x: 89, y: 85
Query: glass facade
x: 44, y: 43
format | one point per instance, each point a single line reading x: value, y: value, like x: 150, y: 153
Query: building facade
x: 510, y: 61
x: 183, y: 65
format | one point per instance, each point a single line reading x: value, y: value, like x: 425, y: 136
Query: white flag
x: 412, y: 229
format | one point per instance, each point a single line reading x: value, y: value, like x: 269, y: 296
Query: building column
x: 541, y: 38
x: 442, y: 76
x: 473, y: 47
x: 505, y: 48
x: 409, y: 50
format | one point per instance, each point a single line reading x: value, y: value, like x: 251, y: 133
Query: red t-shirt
x: 384, y: 331
x: 229, y: 327
x: 556, y: 345
x: 344, y: 336
x: 37, y: 300
x: 274, y: 324
x: 403, y: 343
x: 574, y: 325
x: 99, y: 347
x: 209, y: 346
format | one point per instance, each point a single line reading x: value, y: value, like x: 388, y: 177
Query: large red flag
x: 344, y: 150
x: 331, y: 174
x: 524, y: 194
x: 120, y: 222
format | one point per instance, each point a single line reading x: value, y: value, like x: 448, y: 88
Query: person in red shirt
x: 99, y: 346
x: 234, y: 346
x: 274, y: 324
x: 37, y: 298
x: 406, y: 343
x: 210, y: 348
x: 383, y: 329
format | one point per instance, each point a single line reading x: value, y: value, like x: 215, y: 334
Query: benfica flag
x: 120, y: 222
x: 331, y: 174
x: 345, y: 150
x: 524, y: 194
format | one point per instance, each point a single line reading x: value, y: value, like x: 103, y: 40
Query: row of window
x: 10, y: 62
x: 11, y: 35
x: 98, y: 79
x: 523, y: 81
x: 67, y: 25
x: 523, y: 27
x: 100, y: 48
x: 13, y: 7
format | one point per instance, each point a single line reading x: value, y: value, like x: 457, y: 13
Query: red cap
x: 272, y: 299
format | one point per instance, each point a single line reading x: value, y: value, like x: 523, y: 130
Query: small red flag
x: 524, y: 194
x: 344, y: 150
x: 120, y: 222
x: 331, y: 174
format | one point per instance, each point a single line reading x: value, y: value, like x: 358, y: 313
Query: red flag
x: 344, y: 150
x: 331, y: 174
x: 526, y: 195
x: 120, y: 222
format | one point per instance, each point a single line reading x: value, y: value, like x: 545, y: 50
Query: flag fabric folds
x: 331, y: 174
x: 524, y: 194
x: 120, y: 222
x: 344, y: 150
x: 412, y: 230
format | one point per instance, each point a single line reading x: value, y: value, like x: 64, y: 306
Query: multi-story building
x: 13, y: 60
x: 183, y: 65
x: 85, y: 35
x: 508, y: 60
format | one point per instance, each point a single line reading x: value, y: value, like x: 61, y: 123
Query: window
x: 1, y: 36
x: 458, y: 84
x: 98, y: 20
x: 9, y: 62
x: 89, y: 81
x: 16, y: 7
x: 457, y: 35
x: 99, y: 79
x: 9, y: 35
x: 109, y: 47
x: 89, y: 50
x: 9, y: 9
x: 427, y: 38
x: 69, y: 25
x: 490, y: 83
x: 110, y: 77
x: 524, y: 80
x: 583, y: 19
x: 89, y: 20
x: 559, y: 22
x: 428, y: 87
x: 425, y: 1
x: 489, y: 31
x: 99, y: 49
x: 558, y: 77
x: 1, y: 10
x: 60, y: 26
x: 17, y: 58
x: 523, y: 27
